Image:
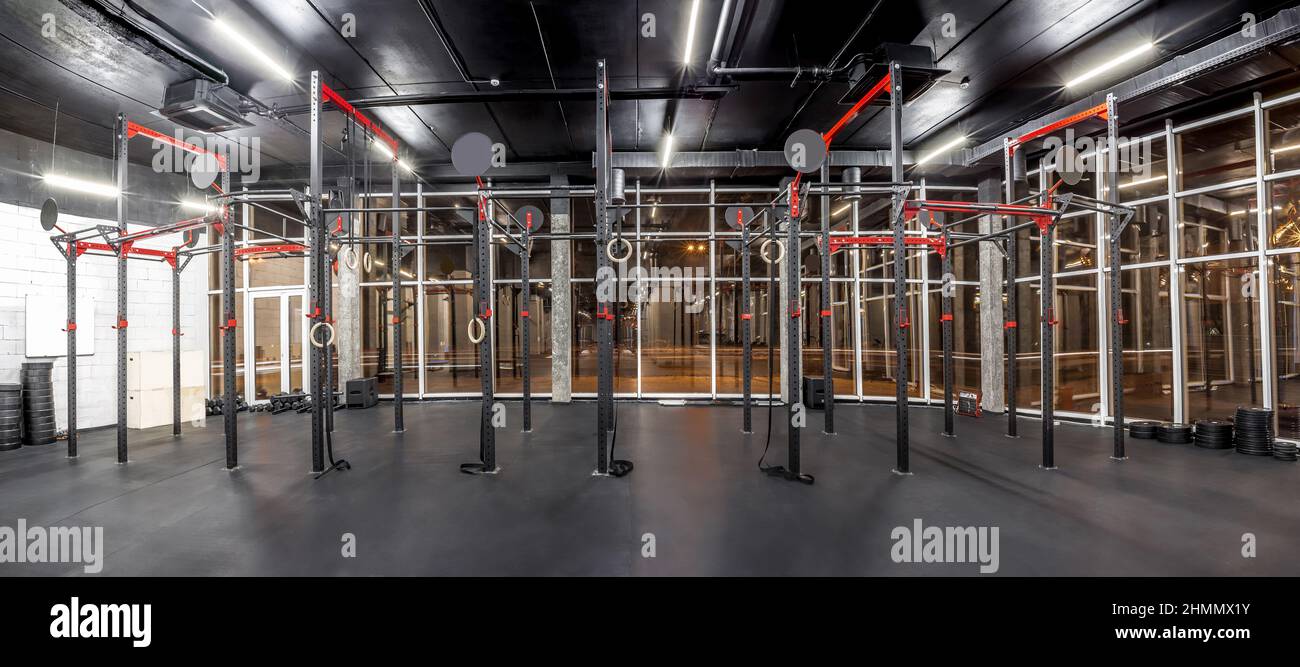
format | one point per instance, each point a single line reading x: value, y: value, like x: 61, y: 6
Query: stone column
x: 992, y: 286
x: 347, y: 312
x: 561, y: 297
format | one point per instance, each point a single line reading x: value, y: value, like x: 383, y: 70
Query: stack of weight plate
x: 1143, y: 430
x: 1213, y: 434
x: 1254, y: 431
x: 38, y: 403
x: 11, y: 416
x: 1174, y: 434
x: 1284, y: 450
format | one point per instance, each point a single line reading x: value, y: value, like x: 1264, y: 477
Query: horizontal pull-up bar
x: 171, y: 228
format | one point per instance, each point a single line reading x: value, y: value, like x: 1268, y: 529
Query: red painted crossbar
x: 882, y: 85
x: 365, y: 121
x: 269, y: 249
x: 936, y: 244
x: 133, y: 129
x: 1098, y: 111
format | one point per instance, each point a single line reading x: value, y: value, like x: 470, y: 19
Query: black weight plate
x: 10, y: 401
x: 9, y: 432
x: 36, y: 427
x: 39, y: 443
x: 37, y: 385
x: 9, y: 446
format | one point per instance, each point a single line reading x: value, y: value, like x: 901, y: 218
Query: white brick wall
x: 30, y: 264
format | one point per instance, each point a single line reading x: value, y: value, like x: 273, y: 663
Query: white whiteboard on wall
x: 47, y: 317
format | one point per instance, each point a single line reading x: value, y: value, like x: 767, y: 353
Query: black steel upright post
x: 746, y: 323
x: 483, y: 301
x: 176, y: 347
x: 229, y: 338
x: 1012, y: 305
x: 395, y: 269
x: 902, y: 321
x: 316, y: 229
x: 795, y: 413
x: 525, y: 317
x: 120, y: 164
x: 1047, y: 292
x: 828, y: 380
x: 71, y: 254
x: 604, y: 303
x: 1116, y: 225
x: 945, y: 321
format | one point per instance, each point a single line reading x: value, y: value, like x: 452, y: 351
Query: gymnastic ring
x: 482, y: 330
x: 349, y: 261
x: 762, y: 251
x: 609, y: 249
x: 366, y: 262
x: 316, y: 342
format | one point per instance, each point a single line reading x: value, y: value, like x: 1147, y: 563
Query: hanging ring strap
x: 478, y: 325
x: 349, y: 255
x: 767, y: 243
x: 316, y: 342
x: 609, y: 249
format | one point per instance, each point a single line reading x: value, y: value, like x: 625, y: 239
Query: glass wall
x: 1207, y: 288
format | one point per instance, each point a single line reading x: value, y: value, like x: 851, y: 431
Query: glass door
x: 275, y: 343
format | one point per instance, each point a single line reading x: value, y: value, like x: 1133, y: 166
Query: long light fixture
x: 841, y: 210
x: 957, y: 141
x: 1285, y: 149
x: 388, y: 153
x: 198, y: 206
x: 88, y: 187
x: 668, y: 150
x: 690, y: 32
x: 234, y: 35
x: 1112, y: 64
x: 1134, y: 184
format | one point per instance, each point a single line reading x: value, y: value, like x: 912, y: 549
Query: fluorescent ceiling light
x: 841, y: 210
x: 239, y: 40
x: 1112, y: 64
x: 690, y: 33
x: 942, y: 149
x: 1134, y: 184
x: 201, y: 207
x: 88, y: 187
x: 1285, y: 149
x: 668, y: 150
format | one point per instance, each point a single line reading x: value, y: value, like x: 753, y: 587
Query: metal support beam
x: 1115, y: 226
x: 71, y: 255
x: 746, y: 325
x: 1047, y: 349
x: 1012, y: 298
x: 828, y: 404
x: 902, y: 320
x: 229, y: 338
x: 120, y: 164
x: 795, y: 414
x: 395, y: 268
x: 604, y: 304
x: 525, y: 319
x: 315, y: 230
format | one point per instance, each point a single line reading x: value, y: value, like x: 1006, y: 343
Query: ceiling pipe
x: 715, y: 57
x: 530, y: 95
x: 163, y: 42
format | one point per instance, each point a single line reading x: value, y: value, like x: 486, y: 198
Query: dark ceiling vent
x: 919, y: 72
x: 198, y: 104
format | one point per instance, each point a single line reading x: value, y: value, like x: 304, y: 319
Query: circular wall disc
x: 746, y: 213
x: 805, y: 151
x: 49, y: 214
x: 471, y: 155
x: 204, y: 170
x: 539, y: 218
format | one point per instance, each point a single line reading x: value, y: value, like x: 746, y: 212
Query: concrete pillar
x: 992, y: 265
x: 347, y: 313
x: 561, y: 298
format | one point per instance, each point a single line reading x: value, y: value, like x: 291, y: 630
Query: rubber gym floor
x: 1169, y: 510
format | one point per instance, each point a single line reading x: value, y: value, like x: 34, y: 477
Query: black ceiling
x: 1017, y: 53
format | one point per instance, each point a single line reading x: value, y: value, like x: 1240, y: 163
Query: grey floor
x: 1169, y: 510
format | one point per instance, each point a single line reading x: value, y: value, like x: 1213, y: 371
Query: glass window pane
x: 1284, y: 214
x: 215, y: 335
x: 730, y: 349
x: 1218, y: 153
x: 879, y: 356
x: 509, y: 320
x: 965, y: 340
x: 1222, y: 339
x: 1286, y: 343
x: 1148, y: 344
x: 585, y: 363
x: 1218, y: 222
x: 810, y: 326
x: 450, y: 360
x: 377, y: 358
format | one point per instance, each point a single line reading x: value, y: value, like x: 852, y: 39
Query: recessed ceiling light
x: 1112, y: 64
x: 238, y: 38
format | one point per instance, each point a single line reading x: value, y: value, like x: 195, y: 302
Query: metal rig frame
x: 118, y: 242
